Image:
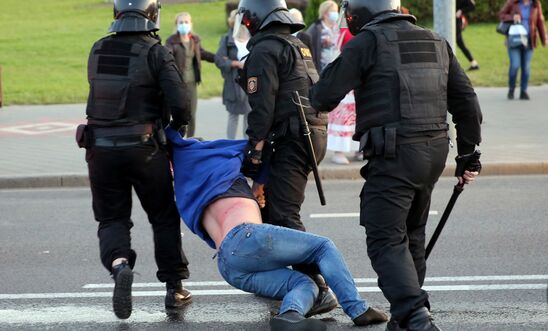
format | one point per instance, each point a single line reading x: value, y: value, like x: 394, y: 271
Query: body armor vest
x: 123, y: 90
x: 407, y: 87
x: 301, y: 78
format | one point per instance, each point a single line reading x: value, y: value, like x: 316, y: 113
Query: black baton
x: 457, y: 190
x: 310, y: 147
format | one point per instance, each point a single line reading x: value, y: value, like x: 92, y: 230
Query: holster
x: 84, y: 137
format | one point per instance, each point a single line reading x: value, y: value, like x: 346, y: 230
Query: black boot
x: 121, y: 297
x: 393, y: 325
x: 326, y: 300
x: 177, y: 296
x: 421, y: 320
x: 511, y: 94
x: 371, y: 316
x: 292, y: 320
x: 524, y: 96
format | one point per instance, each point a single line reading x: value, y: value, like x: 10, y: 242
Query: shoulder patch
x: 306, y: 52
x: 252, y: 84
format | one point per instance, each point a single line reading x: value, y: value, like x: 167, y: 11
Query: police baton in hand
x: 309, y: 146
x: 472, y: 164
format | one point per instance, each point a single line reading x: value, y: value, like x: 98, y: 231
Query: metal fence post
x: 1, y: 94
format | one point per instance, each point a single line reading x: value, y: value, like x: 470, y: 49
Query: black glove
x: 252, y: 164
x: 179, y: 128
x: 468, y: 162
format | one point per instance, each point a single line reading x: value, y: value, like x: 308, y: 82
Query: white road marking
x: 352, y: 215
x: 40, y: 128
x: 438, y: 288
x: 356, y: 280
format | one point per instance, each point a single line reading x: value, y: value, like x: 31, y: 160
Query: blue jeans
x: 254, y: 258
x: 520, y: 57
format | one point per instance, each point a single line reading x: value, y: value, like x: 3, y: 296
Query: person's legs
x: 514, y: 54
x: 263, y: 247
x: 526, y: 56
x: 193, y: 95
x: 461, y: 44
x: 232, y: 125
x: 111, y: 194
x: 153, y: 185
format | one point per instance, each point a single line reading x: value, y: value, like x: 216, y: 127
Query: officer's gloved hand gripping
x: 252, y: 164
x: 468, y: 167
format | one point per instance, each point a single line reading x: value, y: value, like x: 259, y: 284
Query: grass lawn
x: 45, y: 44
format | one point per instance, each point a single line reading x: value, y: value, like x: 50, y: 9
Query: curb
x: 327, y: 173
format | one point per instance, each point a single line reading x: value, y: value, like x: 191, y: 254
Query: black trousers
x: 289, y: 170
x: 460, y: 42
x: 113, y: 172
x: 395, y: 202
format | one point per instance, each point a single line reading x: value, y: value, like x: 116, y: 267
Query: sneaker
x: 325, y: 302
x: 339, y: 158
x: 474, y: 67
x: 371, y: 316
x: 121, y: 297
x: 524, y: 96
x: 511, y: 94
x: 296, y: 323
x: 177, y: 296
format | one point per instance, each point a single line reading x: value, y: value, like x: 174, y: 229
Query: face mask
x: 333, y: 16
x: 184, y: 28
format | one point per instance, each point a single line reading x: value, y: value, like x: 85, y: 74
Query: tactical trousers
x: 113, y: 172
x: 395, y: 202
x: 289, y: 170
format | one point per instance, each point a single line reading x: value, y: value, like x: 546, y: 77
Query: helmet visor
x: 238, y: 26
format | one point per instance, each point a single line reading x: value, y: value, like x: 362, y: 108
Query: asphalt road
x: 489, y: 270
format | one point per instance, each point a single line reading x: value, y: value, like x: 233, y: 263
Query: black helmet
x: 258, y: 14
x: 360, y: 12
x: 136, y: 16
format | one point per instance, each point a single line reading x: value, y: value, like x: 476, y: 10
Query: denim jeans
x: 254, y: 258
x: 520, y: 57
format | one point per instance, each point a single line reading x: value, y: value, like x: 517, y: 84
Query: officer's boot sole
x: 121, y: 298
x: 278, y: 324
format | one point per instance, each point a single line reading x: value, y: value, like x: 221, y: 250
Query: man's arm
x: 344, y: 74
x: 262, y: 88
x: 463, y: 104
x: 175, y: 93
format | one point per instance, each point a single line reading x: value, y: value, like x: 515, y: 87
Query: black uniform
x: 278, y: 65
x: 134, y: 84
x: 405, y: 79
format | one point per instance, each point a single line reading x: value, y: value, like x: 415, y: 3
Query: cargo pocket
x: 107, y: 99
x: 319, y: 141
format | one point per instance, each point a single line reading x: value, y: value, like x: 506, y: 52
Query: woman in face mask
x: 188, y: 53
x: 325, y: 35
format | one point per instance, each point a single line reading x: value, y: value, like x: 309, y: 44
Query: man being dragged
x: 217, y: 204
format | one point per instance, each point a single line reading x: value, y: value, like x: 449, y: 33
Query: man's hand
x: 251, y: 166
x: 468, y: 177
x: 468, y: 167
x: 258, y: 193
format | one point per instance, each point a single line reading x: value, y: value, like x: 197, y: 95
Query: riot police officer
x: 278, y: 65
x: 405, y: 79
x: 134, y: 88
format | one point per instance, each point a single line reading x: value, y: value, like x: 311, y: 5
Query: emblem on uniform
x: 306, y: 52
x: 252, y: 85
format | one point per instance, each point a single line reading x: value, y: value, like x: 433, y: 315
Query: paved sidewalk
x: 38, y: 149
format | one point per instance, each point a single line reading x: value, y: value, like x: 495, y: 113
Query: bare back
x: 226, y: 213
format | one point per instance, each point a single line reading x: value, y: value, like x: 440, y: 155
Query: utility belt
x: 118, y: 136
x: 382, y: 141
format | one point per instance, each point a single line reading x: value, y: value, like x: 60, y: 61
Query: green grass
x: 489, y: 50
x: 44, y: 46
